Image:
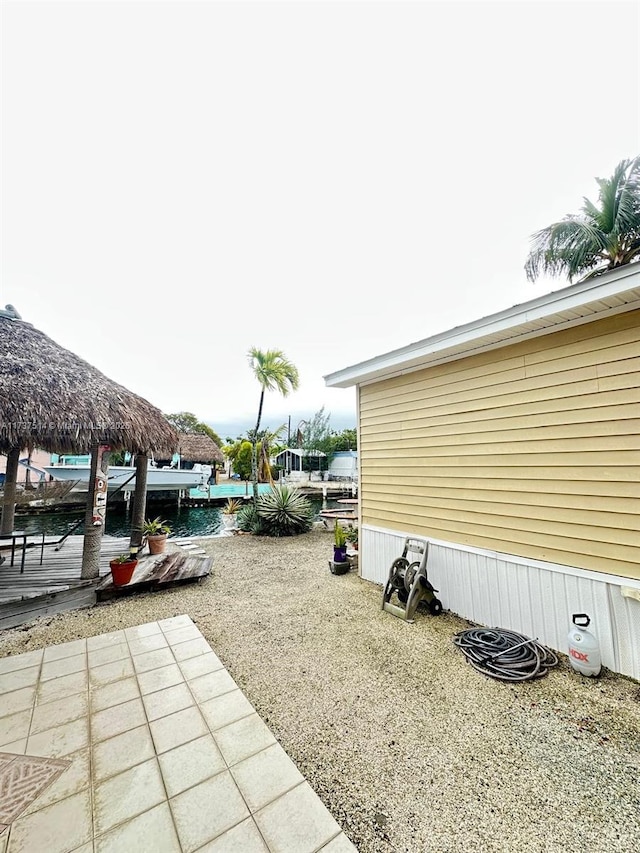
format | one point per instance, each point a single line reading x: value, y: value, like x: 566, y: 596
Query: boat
x: 123, y: 477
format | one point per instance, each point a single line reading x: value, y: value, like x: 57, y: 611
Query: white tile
x: 243, y: 738
x: 153, y: 660
x: 17, y: 679
x: 23, y: 661
x: 64, y: 666
x: 18, y: 747
x: 14, y: 726
x: 146, y: 630
x: 182, y: 635
x: 175, y: 622
x: 297, y: 822
x: 61, y: 740
x: 122, y: 752
x: 126, y: 795
x: 59, y: 828
x: 265, y: 776
x: 48, y: 715
x: 151, y: 831
x: 190, y: 764
x: 243, y: 838
x: 158, y: 679
x: 200, y: 665
x: 206, y: 811
x: 226, y: 709
x: 17, y: 700
x: 65, y: 650
x: 167, y: 701
x: 108, y: 654
x: 139, y: 645
x: 65, y: 685
x: 191, y: 649
x: 176, y: 729
x: 211, y: 685
x: 102, y: 641
x: 117, y: 719
x: 114, y: 693
x: 108, y: 672
x: 76, y: 778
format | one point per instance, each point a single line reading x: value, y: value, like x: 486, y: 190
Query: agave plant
x: 284, y: 511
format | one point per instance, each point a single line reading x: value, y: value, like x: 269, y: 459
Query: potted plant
x: 230, y: 511
x: 156, y: 532
x: 339, y: 543
x: 122, y: 569
x: 352, y: 536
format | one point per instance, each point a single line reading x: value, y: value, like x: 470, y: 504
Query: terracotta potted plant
x: 122, y: 569
x: 156, y: 532
x: 230, y: 512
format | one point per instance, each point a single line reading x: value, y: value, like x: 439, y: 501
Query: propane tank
x: 584, y: 650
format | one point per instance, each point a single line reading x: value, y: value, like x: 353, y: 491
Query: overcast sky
x: 182, y: 181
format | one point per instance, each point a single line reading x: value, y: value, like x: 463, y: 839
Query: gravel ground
x: 409, y: 747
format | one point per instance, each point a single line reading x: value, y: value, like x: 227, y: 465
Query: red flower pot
x: 122, y: 573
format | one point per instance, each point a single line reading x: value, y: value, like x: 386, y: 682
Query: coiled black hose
x: 505, y: 655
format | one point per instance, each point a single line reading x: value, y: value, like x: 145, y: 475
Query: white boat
x: 122, y: 476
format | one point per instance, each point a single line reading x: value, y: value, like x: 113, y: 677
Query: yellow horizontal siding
x: 533, y: 449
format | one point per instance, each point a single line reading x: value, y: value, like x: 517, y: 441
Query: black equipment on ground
x: 505, y: 655
x: 409, y: 583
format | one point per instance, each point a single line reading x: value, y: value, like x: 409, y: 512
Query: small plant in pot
x: 122, y: 569
x: 230, y: 512
x: 339, y: 543
x: 156, y: 532
x: 352, y: 536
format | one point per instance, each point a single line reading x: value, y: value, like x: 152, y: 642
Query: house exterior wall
x: 522, y: 468
x: 530, y: 450
x: 518, y: 594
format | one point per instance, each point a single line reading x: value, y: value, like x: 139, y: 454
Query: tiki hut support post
x: 139, y: 501
x: 94, y: 519
x: 9, y: 500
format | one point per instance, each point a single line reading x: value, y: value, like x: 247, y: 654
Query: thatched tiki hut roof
x: 54, y: 400
x: 199, y: 448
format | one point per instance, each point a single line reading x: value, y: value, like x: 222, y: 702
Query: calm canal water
x: 185, y: 521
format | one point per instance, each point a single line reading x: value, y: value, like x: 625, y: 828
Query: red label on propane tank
x: 578, y: 655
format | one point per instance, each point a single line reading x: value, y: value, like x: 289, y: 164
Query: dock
x: 56, y: 585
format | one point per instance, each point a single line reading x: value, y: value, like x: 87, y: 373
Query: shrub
x: 283, y: 511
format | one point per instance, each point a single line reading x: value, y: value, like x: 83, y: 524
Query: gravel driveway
x: 409, y: 747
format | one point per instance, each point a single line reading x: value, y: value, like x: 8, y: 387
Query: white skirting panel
x: 535, y: 598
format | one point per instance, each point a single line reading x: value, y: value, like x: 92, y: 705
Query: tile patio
x: 140, y: 740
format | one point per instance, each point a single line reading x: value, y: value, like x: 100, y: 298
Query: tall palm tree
x: 274, y: 371
x: 598, y: 239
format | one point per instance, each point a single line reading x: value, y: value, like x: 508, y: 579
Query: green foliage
x: 339, y: 535
x: 155, y: 527
x: 345, y: 440
x: 352, y: 535
x: 240, y: 455
x: 283, y: 511
x: 122, y: 558
x: 274, y: 371
x: 248, y: 520
x: 187, y: 422
x: 600, y: 238
x: 232, y: 506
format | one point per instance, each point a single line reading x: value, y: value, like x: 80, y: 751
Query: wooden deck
x: 56, y: 585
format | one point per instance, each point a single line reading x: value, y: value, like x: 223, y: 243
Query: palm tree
x: 598, y: 239
x: 274, y: 371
